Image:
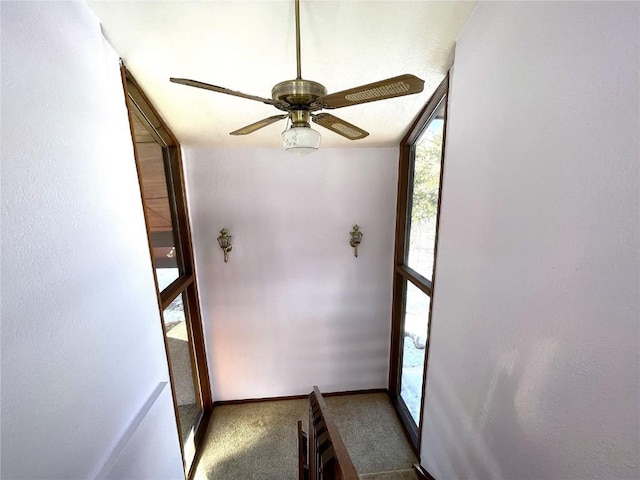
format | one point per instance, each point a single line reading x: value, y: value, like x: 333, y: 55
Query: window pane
x: 180, y: 363
x: 424, y: 196
x: 155, y: 197
x: 416, y: 321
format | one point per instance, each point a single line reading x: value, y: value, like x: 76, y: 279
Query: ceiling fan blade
x: 258, y: 125
x: 339, y: 126
x: 391, y: 87
x: 215, y: 88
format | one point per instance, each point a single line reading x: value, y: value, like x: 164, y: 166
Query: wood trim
x: 345, y: 468
x: 146, y: 121
x: 398, y: 284
x: 188, y: 259
x: 170, y: 293
x: 402, y: 202
x: 177, y: 206
x: 178, y: 189
x: 220, y: 403
x: 297, y: 397
x: 145, y: 106
x: 404, y: 273
x: 415, y: 278
x: 197, y: 334
x: 179, y: 193
x: 355, y: 392
x: 311, y: 438
x: 435, y: 252
x: 303, y: 456
x: 422, y: 472
x: 193, y: 359
x: 425, y: 114
x: 123, y: 74
x: 187, y: 282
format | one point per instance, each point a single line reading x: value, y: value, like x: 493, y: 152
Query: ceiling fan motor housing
x: 299, y: 118
x: 299, y: 94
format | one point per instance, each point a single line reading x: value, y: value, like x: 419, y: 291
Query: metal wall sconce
x: 356, y: 238
x: 225, y: 243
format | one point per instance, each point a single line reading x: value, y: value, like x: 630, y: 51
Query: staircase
x: 322, y: 453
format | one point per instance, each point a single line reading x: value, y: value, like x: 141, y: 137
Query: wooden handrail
x: 303, y: 460
x: 328, y: 456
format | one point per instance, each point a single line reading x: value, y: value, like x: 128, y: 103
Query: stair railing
x: 327, y: 458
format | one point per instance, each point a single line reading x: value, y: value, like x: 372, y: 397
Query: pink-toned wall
x: 294, y: 308
x: 534, y: 361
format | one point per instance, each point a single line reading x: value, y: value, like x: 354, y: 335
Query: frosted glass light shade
x: 300, y: 140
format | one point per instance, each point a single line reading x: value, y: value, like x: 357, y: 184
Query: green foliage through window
x: 426, y: 177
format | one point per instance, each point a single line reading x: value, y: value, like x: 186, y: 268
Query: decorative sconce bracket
x: 225, y: 243
x: 356, y: 238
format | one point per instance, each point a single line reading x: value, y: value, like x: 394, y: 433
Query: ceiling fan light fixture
x: 301, y: 140
x: 300, y: 98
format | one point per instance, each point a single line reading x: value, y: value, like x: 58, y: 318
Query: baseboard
x: 354, y: 392
x: 422, y: 473
x: 296, y: 397
x: 255, y: 400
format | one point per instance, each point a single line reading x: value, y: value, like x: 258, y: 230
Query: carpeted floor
x: 371, y: 432
x: 259, y: 440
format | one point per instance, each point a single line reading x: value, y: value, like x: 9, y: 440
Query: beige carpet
x: 253, y: 441
x: 259, y: 440
x: 371, y: 432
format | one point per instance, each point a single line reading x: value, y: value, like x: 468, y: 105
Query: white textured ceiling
x: 250, y: 46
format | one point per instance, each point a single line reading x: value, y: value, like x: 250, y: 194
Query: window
x: 159, y: 168
x: 419, y: 192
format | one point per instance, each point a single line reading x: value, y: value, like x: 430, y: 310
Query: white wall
x: 533, y: 369
x: 82, y: 345
x: 293, y: 307
x: 141, y: 452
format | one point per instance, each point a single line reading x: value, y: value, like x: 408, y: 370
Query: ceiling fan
x: 300, y: 98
